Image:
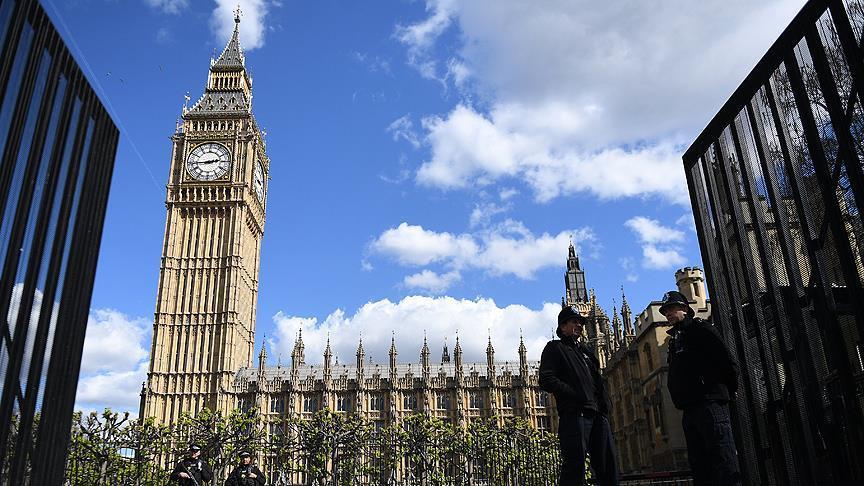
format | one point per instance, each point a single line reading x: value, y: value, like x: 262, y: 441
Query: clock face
x: 208, y: 162
x: 258, y: 181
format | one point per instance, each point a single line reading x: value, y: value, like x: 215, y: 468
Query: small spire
x: 263, y: 354
x: 237, y: 14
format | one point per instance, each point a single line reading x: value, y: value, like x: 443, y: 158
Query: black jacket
x: 701, y: 368
x: 240, y: 476
x: 197, y: 468
x: 563, y: 374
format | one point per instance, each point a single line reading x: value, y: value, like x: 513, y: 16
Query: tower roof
x: 228, y: 84
x: 232, y: 56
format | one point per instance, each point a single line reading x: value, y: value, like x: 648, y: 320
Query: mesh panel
x: 778, y: 185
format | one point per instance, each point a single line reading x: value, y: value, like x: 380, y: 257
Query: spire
x: 262, y: 356
x: 616, y: 324
x: 490, y: 357
x: 232, y: 55
x: 522, y: 349
x: 627, y: 317
x: 361, y: 355
x: 445, y: 355
x: 457, y: 354
x: 523, y: 358
x: 574, y: 279
x: 297, y: 355
x: 229, y: 85
x: 393, y: 352
x: 327, y: 352
x: 424, y: 357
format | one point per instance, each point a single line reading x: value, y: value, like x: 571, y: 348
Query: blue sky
x: 429, y: 160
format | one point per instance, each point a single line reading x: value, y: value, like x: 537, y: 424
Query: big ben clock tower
x: 204, y: 326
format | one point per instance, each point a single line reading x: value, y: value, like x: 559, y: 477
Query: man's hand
x: 183, y: 475
x: 252, y: 475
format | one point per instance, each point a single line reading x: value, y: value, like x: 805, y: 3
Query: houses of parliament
x: 202, y: 353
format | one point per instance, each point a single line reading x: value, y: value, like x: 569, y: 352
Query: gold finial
x: 237, y: 14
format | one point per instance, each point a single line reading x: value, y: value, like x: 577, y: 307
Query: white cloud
x: 114, y: 341
x: 469, y: 148
x: 687, y: 220
x: 629, y: 266
x: 432, y: 282
x: 611, y: 91
x: 114, y: 361
x: 508, y: 248
x: 507, y: 193
x: 651, y: 231
x: 169, y: 6
x: 403, y: 129
x: 438, y: 317
x: 252, y: 21
x: 661, y: 259
x: 118, y: 390
x: 483, y: 213
x: 413, y: 245
x: 660, y: 249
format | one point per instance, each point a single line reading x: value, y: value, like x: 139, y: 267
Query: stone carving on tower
x: 204, y: 323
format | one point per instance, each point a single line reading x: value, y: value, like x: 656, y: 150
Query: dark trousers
x: 578, y: 434
x: 710, y: 445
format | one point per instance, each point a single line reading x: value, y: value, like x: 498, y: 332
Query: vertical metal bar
x: 23, y: 321
x: 11, y: 391
x: 852, y: 162
x: 853, y: 53
x: 793, y: 352
x: 757, y: 219
x: 834, y: 217
x: 716, y: 283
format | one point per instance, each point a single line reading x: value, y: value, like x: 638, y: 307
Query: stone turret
x: 457, y: 359
x: 262, y: 362
x: 393, y: 355
x: 691, y: 283
x: 627, y: 320
x: 424, y: 359
x: 490, y: 359
x: 523, y: 359
x: 328, y: 356
x: 361, y: 357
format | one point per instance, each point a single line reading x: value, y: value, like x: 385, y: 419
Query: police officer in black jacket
x: 246, y: 473
x: 703, y: 377
x: 191, y: 470
x: 571, y: 372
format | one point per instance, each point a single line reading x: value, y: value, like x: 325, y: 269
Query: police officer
x: 246, y: 473
x: 571, y: 372
x: 191, y: 470
x: 703, y: 377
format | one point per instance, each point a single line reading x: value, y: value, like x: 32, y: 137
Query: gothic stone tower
x: 204, y: 328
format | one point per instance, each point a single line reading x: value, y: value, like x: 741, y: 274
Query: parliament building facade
x: 204, y: 323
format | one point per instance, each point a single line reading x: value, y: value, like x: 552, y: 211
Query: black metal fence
x: 57, y: 148
x: 329, y: 449
x: 776, y: 185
